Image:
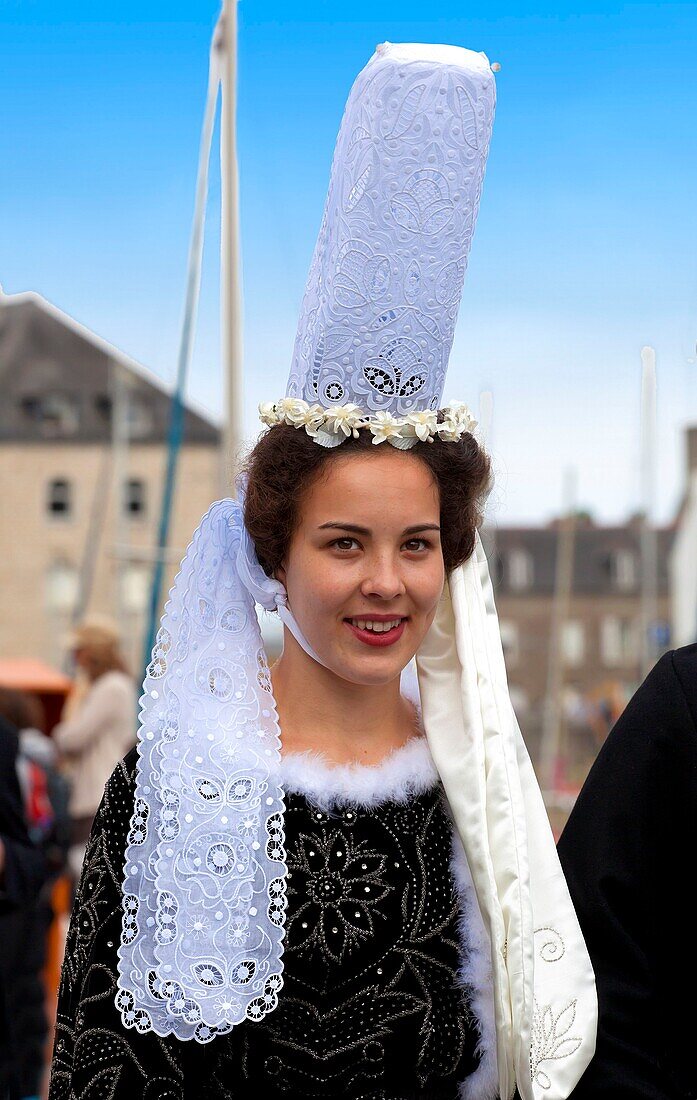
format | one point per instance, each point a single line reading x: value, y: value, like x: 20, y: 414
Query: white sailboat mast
x: 230, y: 277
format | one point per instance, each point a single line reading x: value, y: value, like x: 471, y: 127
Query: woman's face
x: 364, y: 570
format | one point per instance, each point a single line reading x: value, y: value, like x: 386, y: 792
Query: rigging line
x: 188, y: 331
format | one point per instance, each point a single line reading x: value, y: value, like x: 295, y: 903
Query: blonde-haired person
x: 98, y: 727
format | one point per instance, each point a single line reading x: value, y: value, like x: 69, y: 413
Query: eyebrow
x: 366, y: 530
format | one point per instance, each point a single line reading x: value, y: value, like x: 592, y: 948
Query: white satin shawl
x: 544, y: 986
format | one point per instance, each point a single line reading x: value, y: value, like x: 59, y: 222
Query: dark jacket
x: 628, y: 854
x: 25, y: 867
x: 23, y: 876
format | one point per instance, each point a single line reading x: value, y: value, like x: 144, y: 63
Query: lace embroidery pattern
x: 552, y: 1036
x: 381, y: 301
x: 204, y: 877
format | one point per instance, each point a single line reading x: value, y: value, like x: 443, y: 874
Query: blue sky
x: 585, y: 248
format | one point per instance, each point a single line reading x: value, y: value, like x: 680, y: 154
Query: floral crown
x: 331, y: 426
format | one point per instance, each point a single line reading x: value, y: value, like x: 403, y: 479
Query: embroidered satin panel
x: 370, y: 1006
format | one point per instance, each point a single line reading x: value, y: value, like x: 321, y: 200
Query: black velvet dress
x: 374, y: 1002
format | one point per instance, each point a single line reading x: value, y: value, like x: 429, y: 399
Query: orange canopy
x: 30, y: 674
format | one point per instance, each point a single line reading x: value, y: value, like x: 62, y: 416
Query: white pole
x: 230, y: 280
x: 119, y: 436
x: 649, y: 556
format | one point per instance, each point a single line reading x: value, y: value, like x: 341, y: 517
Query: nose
x: 383, y: 578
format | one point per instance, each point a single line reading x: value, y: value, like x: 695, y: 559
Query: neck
x: 348, y: 723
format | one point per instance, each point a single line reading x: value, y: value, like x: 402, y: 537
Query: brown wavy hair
x: 285, y: 462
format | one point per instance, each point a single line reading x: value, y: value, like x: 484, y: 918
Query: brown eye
x: 417, y: 545
x: 345, y: 543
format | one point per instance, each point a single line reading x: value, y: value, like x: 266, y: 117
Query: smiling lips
x: 377, y: 630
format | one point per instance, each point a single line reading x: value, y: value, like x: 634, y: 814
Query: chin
x: 369, y: 672
x: 376, y: 680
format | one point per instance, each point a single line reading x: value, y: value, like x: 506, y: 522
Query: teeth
x: 375, y: 626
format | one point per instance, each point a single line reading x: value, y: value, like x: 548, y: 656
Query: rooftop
x: 57, y: 382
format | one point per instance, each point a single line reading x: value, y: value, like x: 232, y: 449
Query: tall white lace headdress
x: 204, y: 877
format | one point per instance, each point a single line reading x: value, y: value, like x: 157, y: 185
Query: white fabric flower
x: 422, y: 425
x: 343, y: 418
x: 458, y: 420
x: 385, y: 426
x: 268, y: 413
x: 312, y: 420
x: 296, y: 411
x: 460, y: 413
x: 293, y: 410
x: 450, y: 431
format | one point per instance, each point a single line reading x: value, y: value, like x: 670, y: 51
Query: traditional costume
x: 248, y: 920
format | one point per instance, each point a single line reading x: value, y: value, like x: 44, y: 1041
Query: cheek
x: 317, y: 588
x: 427, y: 606
x: 428, y: 588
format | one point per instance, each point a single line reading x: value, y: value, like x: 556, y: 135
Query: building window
x: 139, y: 418
x: 135, y: 410
x: 135, y: 588
x: 510, y: 642
x: 573, y: 643
x: 519, y: 569
x: 134, y: 497
x: 623, y: 570
x: 102, y: 403
x: 617, y: 641
x: 56, y: 414
x: 62, y: 588
x: 59, y: 500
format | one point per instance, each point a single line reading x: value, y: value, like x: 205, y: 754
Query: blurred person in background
x: 625, y: 853
x: 45, y: 791
x: 98, y: 726
x: 45, y: 798
x: 22, y: 874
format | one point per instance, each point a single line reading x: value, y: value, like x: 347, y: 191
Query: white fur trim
x: 475, y: 975
x: 403, y: 773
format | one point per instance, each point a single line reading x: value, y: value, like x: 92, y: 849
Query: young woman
x: 304, y: 884
x: 385, y: 986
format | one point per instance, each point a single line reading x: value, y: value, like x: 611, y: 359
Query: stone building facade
x: 601, y: 639
x: 78, y: 517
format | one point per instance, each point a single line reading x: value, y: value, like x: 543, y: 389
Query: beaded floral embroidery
x: 551, y: 1037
